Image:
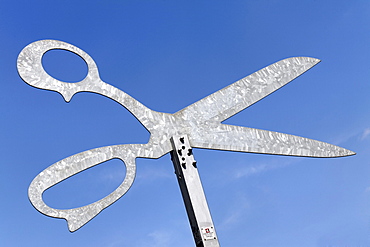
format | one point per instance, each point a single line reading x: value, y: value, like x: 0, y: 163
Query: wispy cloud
x: 365, y: 133
x: 252, y: 170
x: 156, y: 238
x: 160, y: 238
x: 359, y: 134
x: 259, y: 168
x: 236, y: 213
x: 367, y: 190
x: 113, y: 176
x: 153, y: 173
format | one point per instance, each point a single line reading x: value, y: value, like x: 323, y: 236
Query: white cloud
x: 152, y: 173
x: 251, y: 170
x: 365, y: 133
x: 236, y: 215
x: 360, y: 133
x: 163, y: 238
x: 160, y: 238
x: 236, y: 212
x: 155, y: 237
x: 257, y: 169
x: 113, y: 176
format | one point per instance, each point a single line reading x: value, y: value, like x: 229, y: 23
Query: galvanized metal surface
x: 201, y: 122
x: 200, y: 218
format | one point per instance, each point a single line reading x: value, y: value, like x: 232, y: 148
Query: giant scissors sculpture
x: 201, y: 122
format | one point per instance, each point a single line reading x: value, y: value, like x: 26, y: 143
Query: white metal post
x: 192, y: 192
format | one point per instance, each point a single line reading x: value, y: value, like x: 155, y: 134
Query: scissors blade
x: 234, y: 98
x: 243, y: 139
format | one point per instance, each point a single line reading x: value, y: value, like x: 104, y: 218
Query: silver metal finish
x: 192, y: 192
x: 201, y: 122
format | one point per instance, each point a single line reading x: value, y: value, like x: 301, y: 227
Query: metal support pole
x: 192, y: 192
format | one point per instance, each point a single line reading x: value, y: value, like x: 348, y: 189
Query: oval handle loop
x: 77, y: 217
x: 30, y: 69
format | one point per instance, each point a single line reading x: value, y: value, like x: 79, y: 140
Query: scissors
x: 201, y: 122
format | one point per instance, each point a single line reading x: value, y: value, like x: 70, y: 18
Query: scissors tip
x: 350, y: 153
x: 316, y: 60
x: 313, y: 60
x: 344, y: 152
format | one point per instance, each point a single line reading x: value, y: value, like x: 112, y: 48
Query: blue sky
x: 167, y: 55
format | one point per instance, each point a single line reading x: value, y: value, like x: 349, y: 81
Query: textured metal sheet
x: 201, y: 122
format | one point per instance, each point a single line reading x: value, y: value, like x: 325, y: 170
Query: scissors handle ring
x: 61, y: 170
x: 30, y: 68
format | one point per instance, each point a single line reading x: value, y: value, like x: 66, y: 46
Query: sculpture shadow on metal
x: 201, y: 122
